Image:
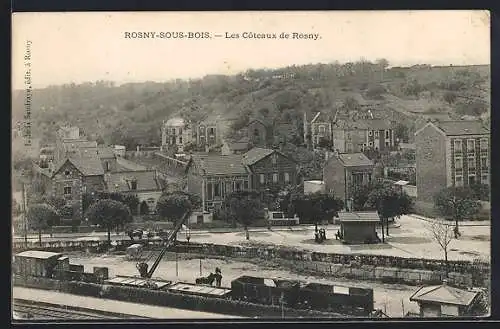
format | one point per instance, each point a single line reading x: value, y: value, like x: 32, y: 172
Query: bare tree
x: 442, y: 233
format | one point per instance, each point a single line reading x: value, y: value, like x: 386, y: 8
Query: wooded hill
x: 131, y: 114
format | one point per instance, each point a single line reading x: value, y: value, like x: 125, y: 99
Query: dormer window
x: 67, y: 172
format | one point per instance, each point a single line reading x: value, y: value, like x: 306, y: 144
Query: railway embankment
x: 169, y: 299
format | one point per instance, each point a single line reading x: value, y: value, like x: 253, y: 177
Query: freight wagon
x: 298, y: 294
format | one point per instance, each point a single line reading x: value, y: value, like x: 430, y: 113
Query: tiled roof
x: 255, y: 154
x: 119, y: 181
x: 444, y: 294
x: 38, y: 254
x: 377, y: 124
x: 105, y: 152
x: 462, y: 127
x: 175, y: 122
x: 80, y: 143
x: 220, y: 164
x: 88, y: 166
x: 238, y: 146
x: 355, y: 159
x: 347, y: 124
x: 366, y: 216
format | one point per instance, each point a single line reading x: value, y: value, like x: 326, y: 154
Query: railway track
x: 30, y: 310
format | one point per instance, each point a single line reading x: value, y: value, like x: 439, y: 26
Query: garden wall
x: 167, y: 299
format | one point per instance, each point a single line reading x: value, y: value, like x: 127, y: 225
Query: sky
x: 80, y: 47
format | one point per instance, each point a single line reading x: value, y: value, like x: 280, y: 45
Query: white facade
x: 314, y: 186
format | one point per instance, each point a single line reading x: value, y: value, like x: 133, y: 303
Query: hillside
x: 131, y: 114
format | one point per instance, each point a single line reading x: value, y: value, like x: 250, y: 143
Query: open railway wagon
x: 266, y: 291
x: 297, y: 294
x: 341, y: 299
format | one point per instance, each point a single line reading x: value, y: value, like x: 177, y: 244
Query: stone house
x: 451, y: 153
x: 213, y: 177
x: 343, y: 173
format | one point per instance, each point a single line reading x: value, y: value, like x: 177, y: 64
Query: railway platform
x: 126, y: 309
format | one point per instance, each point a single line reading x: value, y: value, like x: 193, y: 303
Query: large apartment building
x: 451, y: 153
x: 351, y: 136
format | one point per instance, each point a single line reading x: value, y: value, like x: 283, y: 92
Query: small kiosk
x: 358, y: 227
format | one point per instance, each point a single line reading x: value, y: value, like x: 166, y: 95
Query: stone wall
x: 364, y: 267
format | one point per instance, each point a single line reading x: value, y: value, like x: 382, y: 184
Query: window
x: 321, y: 129
x: 457, y: 146
x: 274, y: 158
x: 216, y: 190
x: 376, y: 133
x: 470, y: 145
x: 287, y: 177
x: 387, y: 134
x: 458, y: 163
x: 107, y: 165
x: 67, y: 172
x: 180, y: 131
x: 262, y: 178
x: 370, y: 132
x: 211, y: 131
x: 209, y: 191
x: 237, y: 186
x: 484, y: 163
x: 484, y: 144
x: 387, y: 143
x: 472, y: 180
x: 180, y: 139
x: 370, y: 144
x: 67, y: 190
x: 245, y: 184
x: 471, y: 162
x: 458, y: 181
x: 275, y: 178
x: 485, y: 179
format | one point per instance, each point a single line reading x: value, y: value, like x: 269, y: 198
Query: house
x: 269, y: 167
x: 349, y: 136
x: 175, y: 132
x: 75, y: 176
x: 259, y: 133
x: 444, y: 301
x: 451, y: 153
x: 380, y: 134
x: 143, y: 183
x: 214, y: 176
x: 120, y: 150
x: 206, y: 133
x: 74, y: 147
x: 343, y: 173
x: 359, y: 227
x: 321, y: 129
x: 239, y: 147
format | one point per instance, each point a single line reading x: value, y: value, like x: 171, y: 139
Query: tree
x: 389, y: 203
x: 245, y: 207
x: 41, y: 216
x: 383, y: 64
x: 174, y: 205
x: 442, y: 234
x: 317, y: 207
x: 144, y: 208
x: 401, y: 132
x: 109, y: 214
x: 457, y: 203
x: 450, y: 97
